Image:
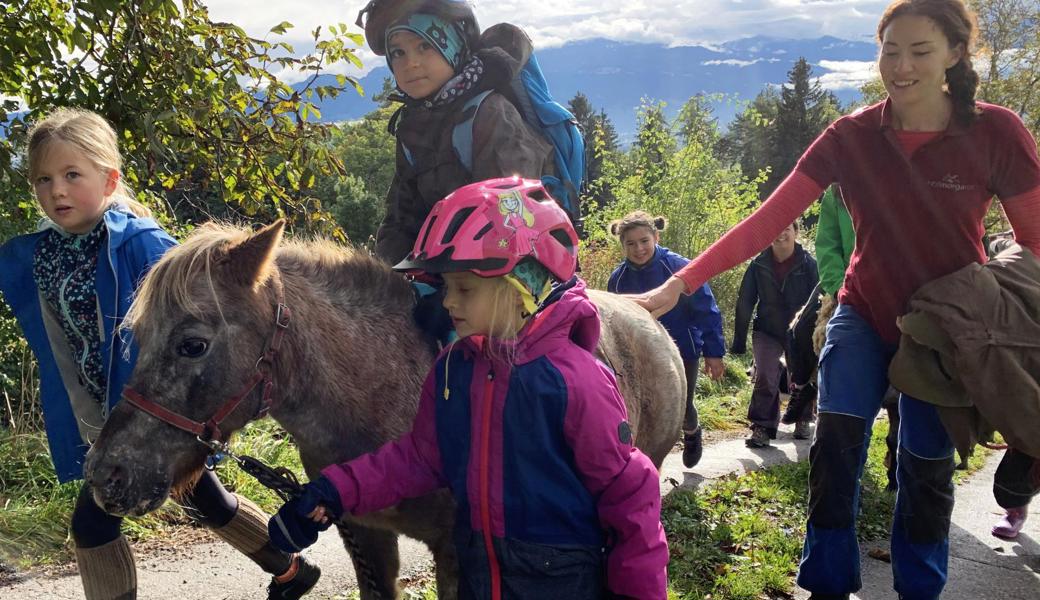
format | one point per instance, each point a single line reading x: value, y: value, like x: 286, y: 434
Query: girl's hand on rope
x: 300, y: 520
x: 662, y: 298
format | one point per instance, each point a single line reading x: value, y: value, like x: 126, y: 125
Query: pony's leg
x: 446, y: 564
x: 378, y: 549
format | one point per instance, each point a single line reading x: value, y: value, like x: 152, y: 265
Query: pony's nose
x: 109, y: 478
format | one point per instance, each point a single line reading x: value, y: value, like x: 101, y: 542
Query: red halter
x: 210, y: 430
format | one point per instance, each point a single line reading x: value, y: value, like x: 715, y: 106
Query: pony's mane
x: 168, y: 285
x: 322, y: 262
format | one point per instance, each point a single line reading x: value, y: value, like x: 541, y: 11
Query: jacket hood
x: 567, y: 316
x: 505, y: 49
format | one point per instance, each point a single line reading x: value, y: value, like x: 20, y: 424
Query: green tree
x: 1009, y: 61
x: 600, y: 141
x: 748, y: 142
x: 805, y: 110
x: 701, y: 197
x: 654, y: 143
x: 367, y: 151
x: 696, y: 123
x: 773, y: 132
x: 873, y: 91
x: 202, y: 119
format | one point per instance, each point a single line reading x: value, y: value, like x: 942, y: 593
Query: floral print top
x: 65, y: 269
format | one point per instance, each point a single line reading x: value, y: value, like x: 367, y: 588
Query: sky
x: 555, y: 22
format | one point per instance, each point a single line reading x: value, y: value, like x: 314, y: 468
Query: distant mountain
x: 616, y: 75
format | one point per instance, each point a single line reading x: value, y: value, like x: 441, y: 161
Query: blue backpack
x: 529, y: 93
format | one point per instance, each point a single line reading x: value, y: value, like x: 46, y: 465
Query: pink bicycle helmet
x: 489, y: 226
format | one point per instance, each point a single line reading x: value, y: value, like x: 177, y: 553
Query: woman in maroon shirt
x: 917, y: 172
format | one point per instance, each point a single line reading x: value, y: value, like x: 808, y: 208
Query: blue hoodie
x: 695, y: 323
x: 133, y: 245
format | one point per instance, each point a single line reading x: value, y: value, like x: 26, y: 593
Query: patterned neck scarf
x: 459, y: 85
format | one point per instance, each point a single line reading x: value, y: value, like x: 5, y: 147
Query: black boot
x: 306, y: 576
x: 799, y: 407
x: 693, y: 448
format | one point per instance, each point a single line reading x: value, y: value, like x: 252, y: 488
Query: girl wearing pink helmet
x: 517, y: 418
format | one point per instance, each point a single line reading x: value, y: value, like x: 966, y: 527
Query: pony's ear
x: 250, y: 260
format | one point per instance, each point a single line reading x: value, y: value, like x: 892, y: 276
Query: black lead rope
x: 283, y: 482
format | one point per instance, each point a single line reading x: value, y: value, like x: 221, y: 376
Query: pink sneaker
x: 1007, y: 528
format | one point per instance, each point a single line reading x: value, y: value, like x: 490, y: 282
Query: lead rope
x: 283, y: 482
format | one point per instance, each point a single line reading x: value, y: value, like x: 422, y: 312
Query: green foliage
x: 654, y: 143
x: 873, y: 91
x: 775, y: 129
x: 696, y: 123
x: 204, y: 123
x: 748, y: 141
x: 37, y: 510
x: 19, y: 384
x: 1009, y: 60
x: 740, y: 537
x: 701, y: 197
x: 601, y: 143
x: 356, y: 200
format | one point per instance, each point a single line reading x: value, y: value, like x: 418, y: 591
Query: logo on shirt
x: 951, y: 182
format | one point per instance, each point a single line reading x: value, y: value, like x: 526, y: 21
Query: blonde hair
x: 635, y: 219
x: 91, y: 135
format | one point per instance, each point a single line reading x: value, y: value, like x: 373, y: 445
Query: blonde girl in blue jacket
x: 69, y: 286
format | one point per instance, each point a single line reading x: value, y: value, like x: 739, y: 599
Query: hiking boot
x: 693, y: 448
x: 1011, y: 523
x: 306, y: 576
x: 800, y: 404
x: 802, y: 430
x: 759, y: 437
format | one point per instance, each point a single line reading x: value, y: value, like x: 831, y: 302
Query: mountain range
x: 616, y: 76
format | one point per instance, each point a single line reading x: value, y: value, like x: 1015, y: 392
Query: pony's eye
x: 193, y: 347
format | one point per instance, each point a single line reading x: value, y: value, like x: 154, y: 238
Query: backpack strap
x: 462, y: 134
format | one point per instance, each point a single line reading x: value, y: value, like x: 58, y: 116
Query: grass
x: 738, y: 537
x: 36, y: 510
x: 722, y: 405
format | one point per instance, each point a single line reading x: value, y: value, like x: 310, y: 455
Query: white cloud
x: 735, y: 62
x: 555, y: 22
x: 846, y: 74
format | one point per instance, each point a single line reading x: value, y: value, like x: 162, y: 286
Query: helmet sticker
x: 511, y: 206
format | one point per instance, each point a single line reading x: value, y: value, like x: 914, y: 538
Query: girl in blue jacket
x: 695, y: 324
x: 69, y: 285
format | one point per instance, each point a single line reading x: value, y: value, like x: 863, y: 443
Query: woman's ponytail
x: 962, y: 82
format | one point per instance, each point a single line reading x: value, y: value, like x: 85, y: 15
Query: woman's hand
x: 714, y: 368
x: 662, y: 298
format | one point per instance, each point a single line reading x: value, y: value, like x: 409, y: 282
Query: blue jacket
x: 133, y: 245
x: 695, y: 323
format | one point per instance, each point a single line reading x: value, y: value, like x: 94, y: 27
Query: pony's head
x: 202, y: 317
